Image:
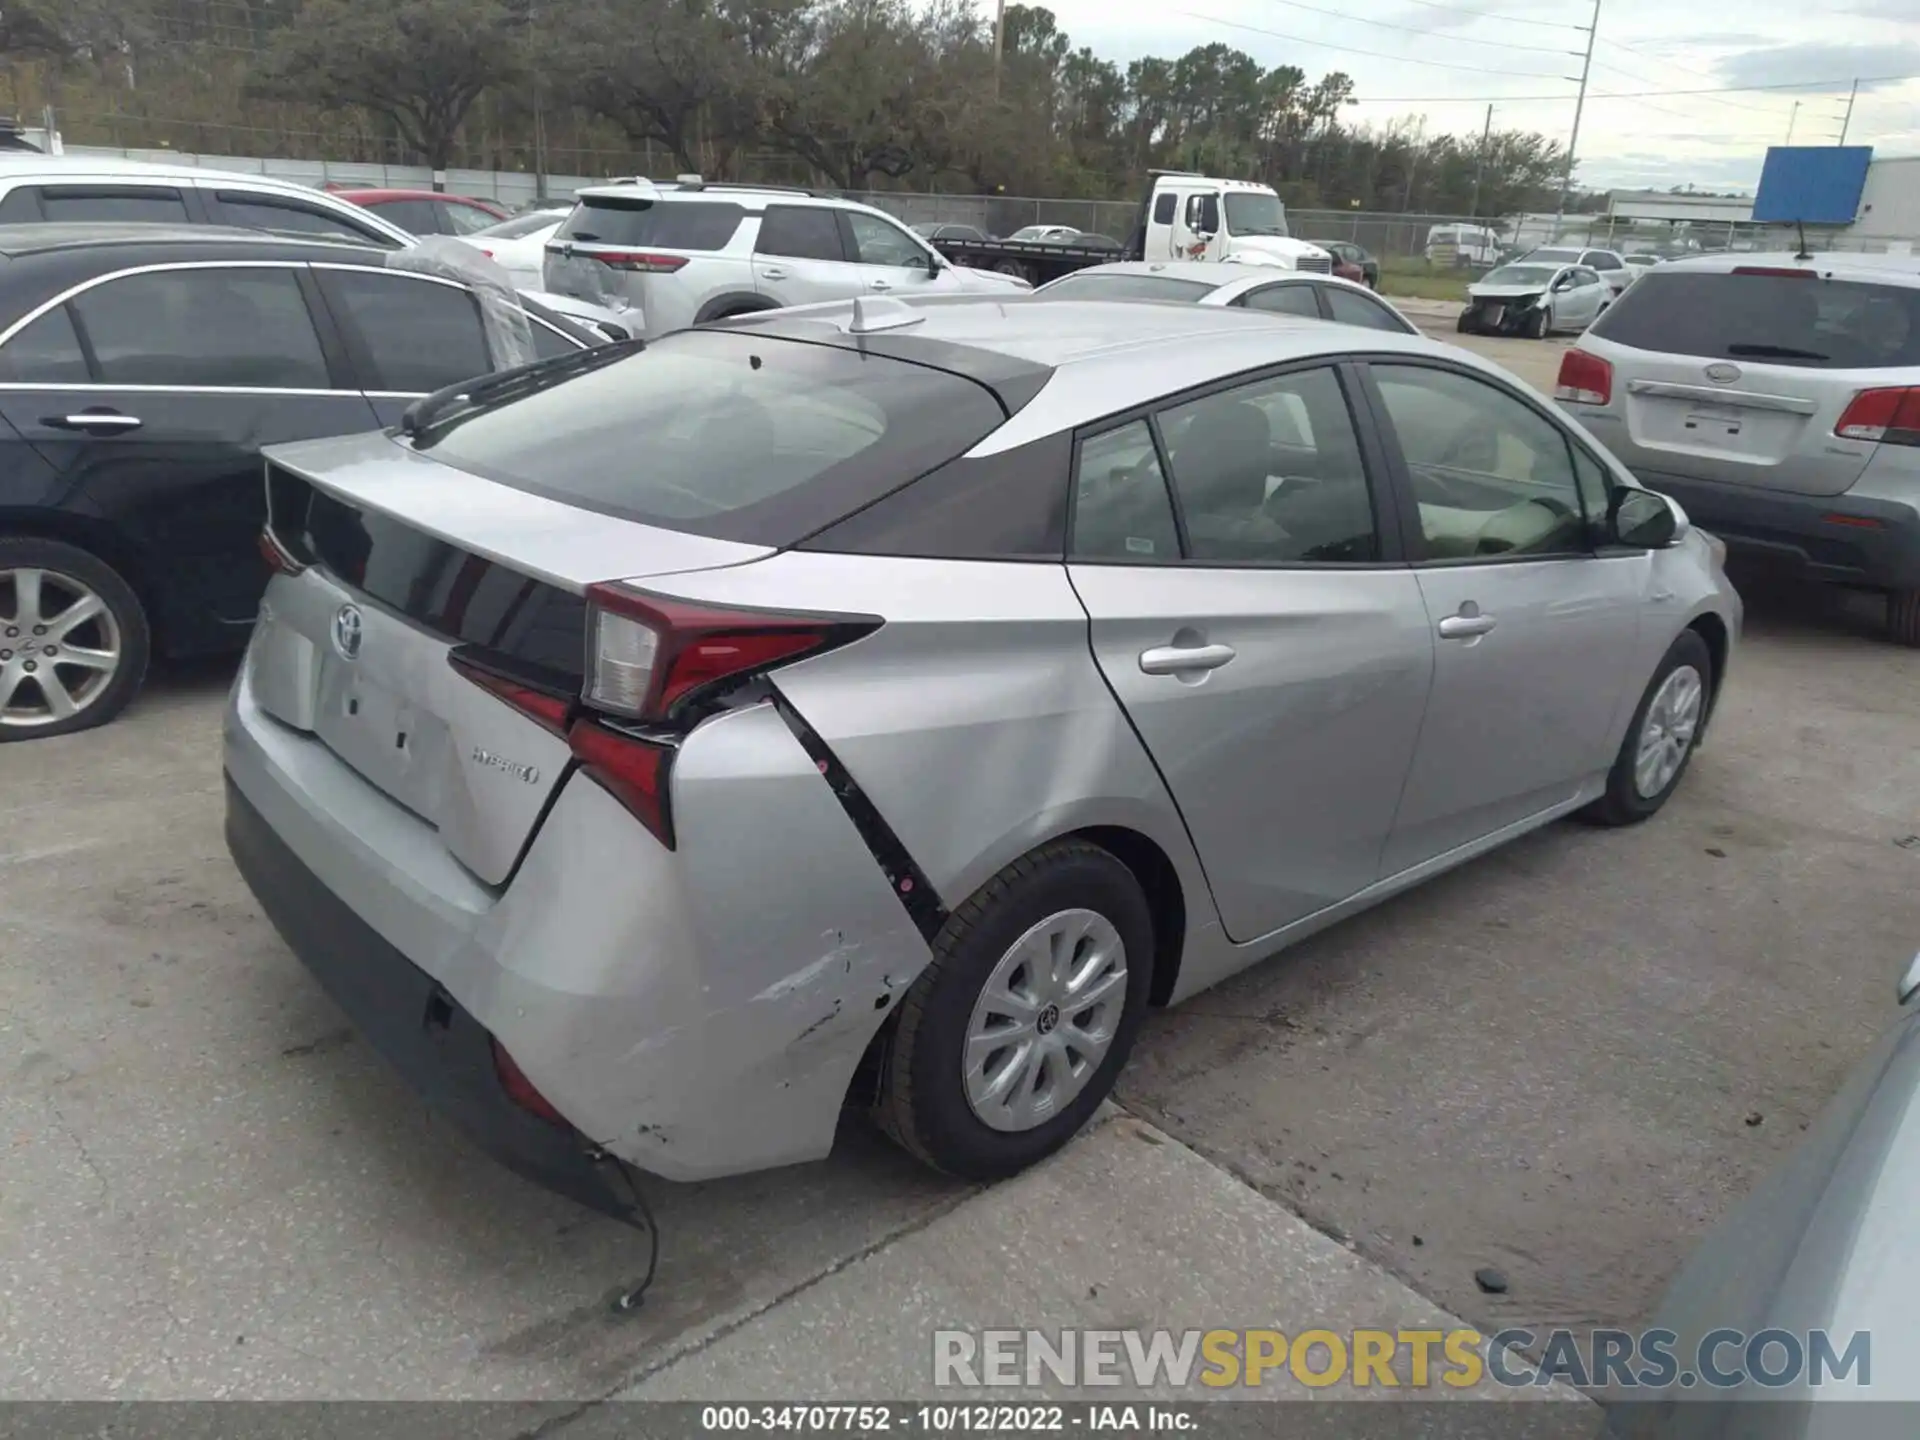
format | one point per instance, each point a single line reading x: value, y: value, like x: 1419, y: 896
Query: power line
x: 1493, y: 15
x: 1834, y: 85
x: 1375, y: 54
x: 1711, y: 99
x: 1429, y: 34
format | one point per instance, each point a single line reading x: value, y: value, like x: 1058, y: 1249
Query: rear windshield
x: 1125, y: 287
x: 735, y: 435
x: 635, y: 220
x: 1768, y: 319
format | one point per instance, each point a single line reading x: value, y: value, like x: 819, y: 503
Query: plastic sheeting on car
x: 509, y: 333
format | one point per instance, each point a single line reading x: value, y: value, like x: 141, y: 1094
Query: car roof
x: 360, y: 196
x: 36, y: 239
x: 1834, y: 265
x: 1217, y: 274
x: 1092, y: 357
x: 18, y: 164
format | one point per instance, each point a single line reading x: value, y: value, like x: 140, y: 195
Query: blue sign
x: 1812, y: 184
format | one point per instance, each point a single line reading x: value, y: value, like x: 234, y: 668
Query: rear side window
x: 731, y: 434
x: 419, y: 334
x: 416, y: 217
x: 1121, y: 508
x: 1600, y: 260
x: 93, y: 204
x: 1768, y: 320
x: 1351, y: 309
x: 47, y: 352
x: 1163, y: 205
x: 635, y: 220
x: 1126, y: 287
x: 1284, y: 300
x: 461, y: 219
x: 800, y: 232
x: 242, y: 328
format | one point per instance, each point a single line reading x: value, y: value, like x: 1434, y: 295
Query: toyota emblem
x: 1723, y: 374
x: 349, y: 627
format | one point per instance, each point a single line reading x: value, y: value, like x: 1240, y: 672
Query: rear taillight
x: 632, y: 770
x: 279, y: 559
x: 1890, y: 416
x: 643, y: 262
x: 1584, y: 379
x: 553, y: 710
x: 520, y: 1090
x: 650, y: 657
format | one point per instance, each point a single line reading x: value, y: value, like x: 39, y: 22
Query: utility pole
x: 1580, y: 104
x: 1792, y: 116
x: 999, y: 42
x: 539, y: 107
x: 1846, y: 124
x: 1480, y: 170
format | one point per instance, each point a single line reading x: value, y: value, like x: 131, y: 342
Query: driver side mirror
x: 1203, y: 215
x: 1643, y: 520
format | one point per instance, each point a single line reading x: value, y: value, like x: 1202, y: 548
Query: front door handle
x: 97, y: 422
x: 772, y: 272
x: 1466, y: 625
x: 1179, y: 659
x: 880, y: 285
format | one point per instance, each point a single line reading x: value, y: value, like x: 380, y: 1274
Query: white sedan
x: 1245, y: 287
x: 519, y: 245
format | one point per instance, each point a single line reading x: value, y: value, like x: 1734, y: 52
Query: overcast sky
x: 1626, y: 138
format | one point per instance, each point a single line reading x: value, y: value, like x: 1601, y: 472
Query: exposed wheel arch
x: 1712, y: 629
x: 734, y: 302
x: 1154, y: 869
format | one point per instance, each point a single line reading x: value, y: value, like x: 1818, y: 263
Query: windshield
x: 1249, y: 213
x: 1522, y: 275
x: 1124, y: 287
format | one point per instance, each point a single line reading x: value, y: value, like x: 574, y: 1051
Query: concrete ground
x: 1563, y: 1061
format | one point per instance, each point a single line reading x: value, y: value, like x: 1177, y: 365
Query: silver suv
x: 688, y: 253
x: 1778, y: 399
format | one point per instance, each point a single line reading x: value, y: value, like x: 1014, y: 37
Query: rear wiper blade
x: 1775, y: 352
x: 505, y: 385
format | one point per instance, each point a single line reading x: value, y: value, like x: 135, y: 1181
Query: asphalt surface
x: 1563, y: 1061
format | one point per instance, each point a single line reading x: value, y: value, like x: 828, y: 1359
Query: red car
x: 427, y: 212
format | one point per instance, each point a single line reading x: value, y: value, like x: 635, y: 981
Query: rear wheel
x: 1009, y: 1040
x: 73, y: 639
x: 1903, y: 617
x: 1463, y: 324
x: 1013, y: 268
x: 1660, y: 741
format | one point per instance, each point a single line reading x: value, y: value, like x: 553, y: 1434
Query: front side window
x: 263, y: 212
x: 800, y: 232
x: 92, y: 205
x: 1491, y: 475
x: 239, y: 328
x: 1163, y: 207
x: 1284, y: 300
x: 1270, y: 474
x: 1121, y: 510
x: 1351, y: 309
x: 878, y: 242
x: 419, y: 334
x: 416, y: 217
x: 47, y: 352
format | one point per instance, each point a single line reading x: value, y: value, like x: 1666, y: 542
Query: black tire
x: 1623, y: 804
x: 1540, y: 323
x: 1903, y: 617
x: 922, y: 1102
x: 1463, y: 325
x: 128, y: 618
x: 1013, y: 268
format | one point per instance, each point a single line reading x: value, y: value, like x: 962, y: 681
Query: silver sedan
x: 1266, y: 288
x: 892, y: 702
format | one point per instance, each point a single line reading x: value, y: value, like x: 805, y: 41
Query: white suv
x: 691, y: 252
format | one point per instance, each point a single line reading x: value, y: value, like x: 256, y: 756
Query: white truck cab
x: 1200, y: 217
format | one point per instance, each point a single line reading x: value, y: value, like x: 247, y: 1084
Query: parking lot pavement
x: 211, y: 1186
x: 1565, y: 1060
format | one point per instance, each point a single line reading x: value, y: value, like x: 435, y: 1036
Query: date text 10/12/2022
x: 951, y: 1419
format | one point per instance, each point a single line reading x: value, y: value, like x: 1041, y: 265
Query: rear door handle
x: 97, y: 422
x: 772, y: 272
x: 1178, y: 659
x: 1465, y: 626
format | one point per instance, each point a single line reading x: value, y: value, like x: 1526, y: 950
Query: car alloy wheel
x: 1666, y: 734
x: 60, y: 647
x: 1045, y: 1019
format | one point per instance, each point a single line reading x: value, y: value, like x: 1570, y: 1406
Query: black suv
x: 141, y: 370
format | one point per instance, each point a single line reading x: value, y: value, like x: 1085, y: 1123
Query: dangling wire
x: 632, y: 1299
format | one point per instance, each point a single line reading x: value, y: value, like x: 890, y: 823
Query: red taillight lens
x: 552, y: 711
x: 641, y: 261
x: 1584, y: 379
x: 277, y: 556
x: 520, y: 1090
x: 1889, y: 416
x: 632, y: 770
x: 650, y: 655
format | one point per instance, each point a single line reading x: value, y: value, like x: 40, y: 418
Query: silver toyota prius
x: 654, y: 750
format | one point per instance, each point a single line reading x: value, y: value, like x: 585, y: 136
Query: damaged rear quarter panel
x: 700, y: 1011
